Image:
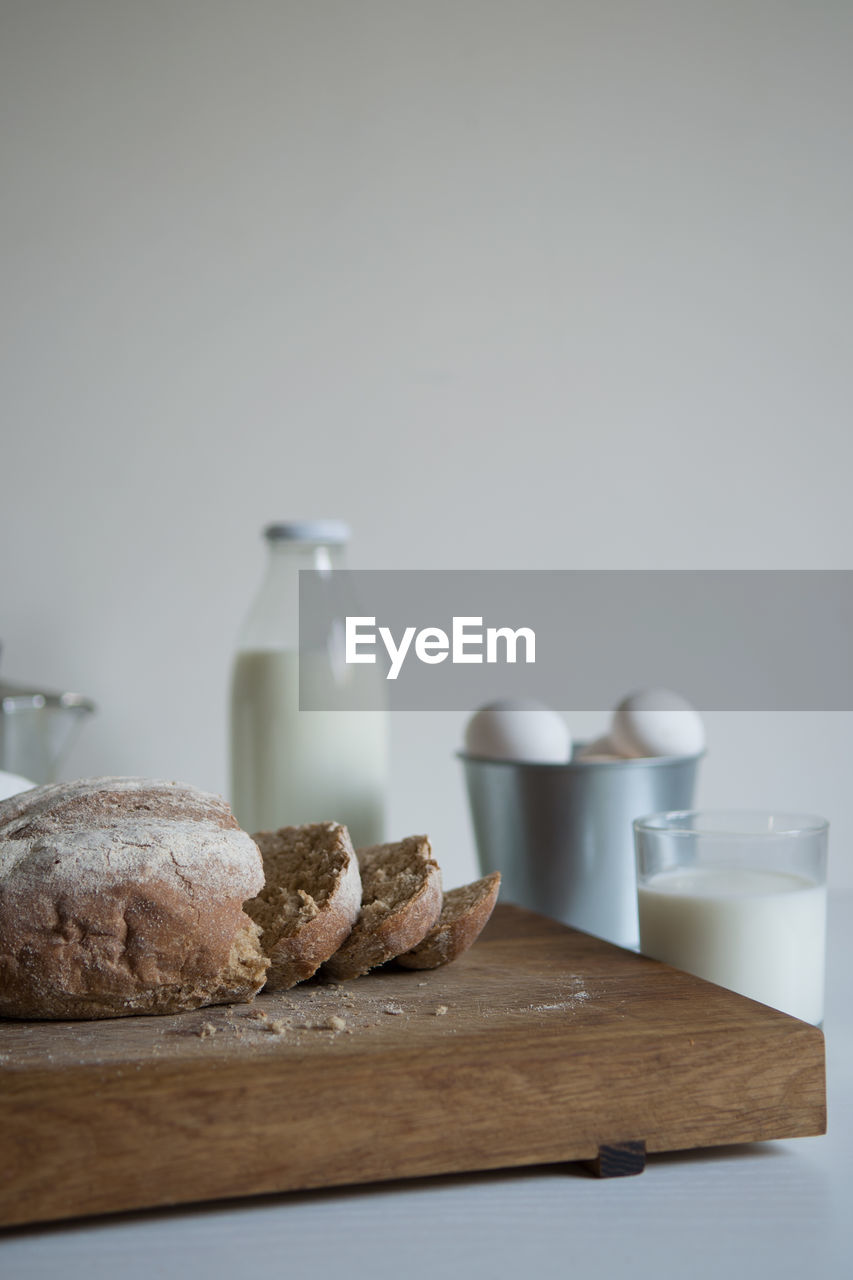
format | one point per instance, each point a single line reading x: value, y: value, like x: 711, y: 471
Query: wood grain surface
x: 541, y: 1044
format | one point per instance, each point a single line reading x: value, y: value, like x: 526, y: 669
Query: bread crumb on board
x: 206, y: 1029
x: 440, y: 1010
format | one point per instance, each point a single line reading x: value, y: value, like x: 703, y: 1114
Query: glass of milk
x: 739, y: 899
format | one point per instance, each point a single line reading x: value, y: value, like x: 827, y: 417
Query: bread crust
x: 296, y: 950
x: 124, y: 896
x: 379, y: 936
x: 464, y: 914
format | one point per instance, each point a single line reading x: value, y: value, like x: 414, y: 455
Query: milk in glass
x: 756, y: 931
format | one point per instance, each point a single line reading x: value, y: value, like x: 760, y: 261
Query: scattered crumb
x: 440, y: 1010
x: 336, y: 1024
x: 257, y: 1015
x: 421, y: 984
x: 393, y: 1009
x: 277, y: 1026
x: 205, y: 1030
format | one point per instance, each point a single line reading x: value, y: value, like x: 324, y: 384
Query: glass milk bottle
x: 290, y: 766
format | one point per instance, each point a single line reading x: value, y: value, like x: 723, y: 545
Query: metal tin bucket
x: 561, y: 835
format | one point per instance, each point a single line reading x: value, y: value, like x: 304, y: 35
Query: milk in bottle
x: 290, y: 766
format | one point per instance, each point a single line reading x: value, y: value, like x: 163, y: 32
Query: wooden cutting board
x: 541, y: 1044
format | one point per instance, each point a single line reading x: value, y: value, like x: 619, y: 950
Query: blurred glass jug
x: 37, y: 728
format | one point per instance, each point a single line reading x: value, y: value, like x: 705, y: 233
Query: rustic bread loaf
x: 400, y: 902
x: 464, y: 914
x: 310, y: 901
x: 122, y: 896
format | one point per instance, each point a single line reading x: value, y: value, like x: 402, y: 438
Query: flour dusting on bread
x: 121, y: 896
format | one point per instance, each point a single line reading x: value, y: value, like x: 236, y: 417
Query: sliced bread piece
x: 464, y: 913
x: 401, y: 901
x: 310, y: 901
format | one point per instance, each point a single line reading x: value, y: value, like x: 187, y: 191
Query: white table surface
x: 766, y: 1209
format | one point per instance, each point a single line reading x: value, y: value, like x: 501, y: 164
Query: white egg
x: 518, y: 729
x: 657, y: 722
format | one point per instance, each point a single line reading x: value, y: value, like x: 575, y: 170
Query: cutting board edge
x: 175, y: 1097
x: 184, y: 1122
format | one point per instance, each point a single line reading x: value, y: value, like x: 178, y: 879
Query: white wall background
x: 505, y: 283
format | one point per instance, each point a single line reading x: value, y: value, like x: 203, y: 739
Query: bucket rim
x: 573, y: 766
